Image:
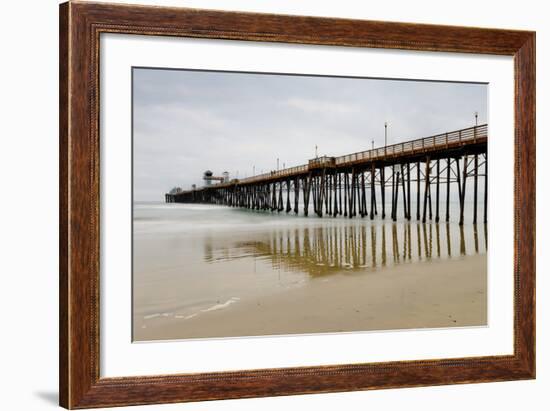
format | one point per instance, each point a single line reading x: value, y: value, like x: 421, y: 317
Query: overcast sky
x: 186, y: 122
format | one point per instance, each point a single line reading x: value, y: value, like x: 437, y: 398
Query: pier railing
x: 439, y: 141
x: 443, y: 141
x: 276, y: 174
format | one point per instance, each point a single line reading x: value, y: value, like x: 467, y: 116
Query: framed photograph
x: 259, y: 205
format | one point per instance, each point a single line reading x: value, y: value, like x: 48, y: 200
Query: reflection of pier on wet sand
x: 337, y: 247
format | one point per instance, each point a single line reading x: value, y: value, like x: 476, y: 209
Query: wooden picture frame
x: 80, y: 27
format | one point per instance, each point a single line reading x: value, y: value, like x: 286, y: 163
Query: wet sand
x: 429, y: 294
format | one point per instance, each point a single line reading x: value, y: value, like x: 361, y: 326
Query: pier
x: 348, y: 185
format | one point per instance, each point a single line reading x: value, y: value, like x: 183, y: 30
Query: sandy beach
x: 445, y: 293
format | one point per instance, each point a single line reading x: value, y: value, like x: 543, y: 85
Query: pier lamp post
x: 277, y: 164
x: 373, y: 144
x: 385, y: 136
x: 253, y: 170
x: 475, y: 114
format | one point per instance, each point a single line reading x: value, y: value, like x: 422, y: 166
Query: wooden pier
x: 347, y: 185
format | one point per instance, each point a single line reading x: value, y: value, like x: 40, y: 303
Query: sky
x: 186, y: 122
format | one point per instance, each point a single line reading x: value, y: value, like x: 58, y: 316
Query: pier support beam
x: 340, y: 193
x: 358, y: 195
x: 485, y: 189
x: 393, y: 192
x: 383, y: 189
x: 430, y: 198
x: 396, y: 196
x: 457, y: 160
x: 288, y: 207
x: 363, y: 202
x: 320, y: 194
x: 274, y: 197
x: 448, y: 189
x: 280, y: 205
x: 404, y: 185
x: 315, y: 193
x: 409, y: 191
x: 418, y: 191
x: 372, y: 191
x: 296, y: 193
x: 326, y: 194
x: 437, y: 193
x: 335, y: 194
x: 427, y: 188
x: 352, y: 195
x: 463, y: 193
x: 307, y: 191
x: 476, y: 165
x: 346, y: 202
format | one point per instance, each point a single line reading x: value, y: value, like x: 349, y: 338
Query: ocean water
x: 190, y: 259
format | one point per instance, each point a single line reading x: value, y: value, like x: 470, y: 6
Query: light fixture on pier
x: 385, y: 137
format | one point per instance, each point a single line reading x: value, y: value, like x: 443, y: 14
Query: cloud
x: 322, y: 107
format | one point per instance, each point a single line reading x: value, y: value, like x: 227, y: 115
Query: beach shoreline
x: 428, y: 294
